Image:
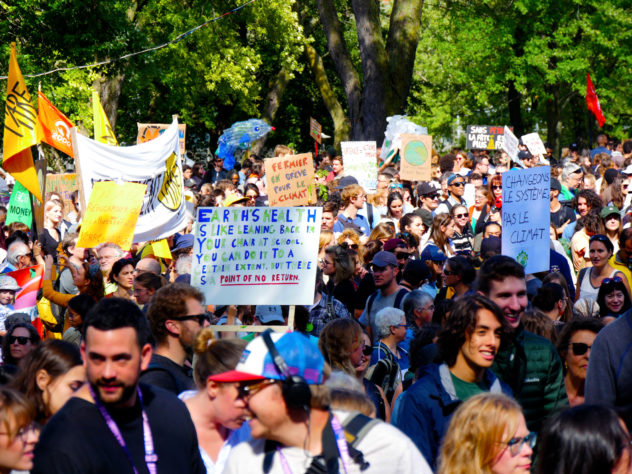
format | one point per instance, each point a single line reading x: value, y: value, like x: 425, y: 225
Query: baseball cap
x: 392, y: 244
x: 234, y: 199
x: 572, y: 168
x: 269, y: 314
x: 8, y: 283
x: 555, y: 185
x: 454, y: 176
x: 432, y: 252
x: 524, y: 155
x: 383, y: 259
x: 182, y: 241
x: 301, y: 356
x: 605, y: 212
x: 627, y: 170
x: 346, y: 181
x: 426, y: 216
x: 425, y: 189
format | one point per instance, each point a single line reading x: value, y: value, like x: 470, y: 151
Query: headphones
x: 295, y: 389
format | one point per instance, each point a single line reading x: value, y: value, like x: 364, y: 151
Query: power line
x: 129, y: 55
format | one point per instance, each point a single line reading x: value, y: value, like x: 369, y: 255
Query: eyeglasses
x: 21, y: 340
x: 400, y: 325
x: 25, y: 430
x: 250, y: 389
x: 515, y: 444
x: 367, y: 350
x: 200, y: 318
x: 460, y: 183
x: 460, y: 216
x: 579, y: 348
x: 605, y: 281
x: 497, y: 186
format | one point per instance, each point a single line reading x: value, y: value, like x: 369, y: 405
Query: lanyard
x: 151, y: 458
x: 341, y: 442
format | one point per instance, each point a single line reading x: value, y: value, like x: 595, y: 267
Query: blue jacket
x: 423, y: 411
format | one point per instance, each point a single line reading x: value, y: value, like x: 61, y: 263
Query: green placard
x: 19, y: 209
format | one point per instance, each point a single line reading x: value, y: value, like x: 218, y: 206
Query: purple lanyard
x: 343, y: 449
x: 151, y: 458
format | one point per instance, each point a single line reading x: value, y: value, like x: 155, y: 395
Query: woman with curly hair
x: 487, y: 435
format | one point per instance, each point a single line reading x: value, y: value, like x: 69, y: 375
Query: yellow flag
x: 161, y: 249
x: 20, y: 130
x: 103, y: 132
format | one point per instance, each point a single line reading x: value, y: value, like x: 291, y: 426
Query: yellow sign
x: 111, y: 214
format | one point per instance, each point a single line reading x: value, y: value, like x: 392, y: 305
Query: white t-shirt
x: 384, y: 447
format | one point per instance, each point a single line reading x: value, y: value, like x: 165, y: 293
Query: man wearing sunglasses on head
x: 456, y: 188
x: 175, y: 315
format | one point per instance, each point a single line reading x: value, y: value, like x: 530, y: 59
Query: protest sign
x: 19, y: 209
x: 30, y: 281
x: 526, y: 217
x: 534, y: 143
x: 149, y: 131
x: 65, y: 184
x: 155, y: 163
x: 415, y: 154
x: 315, y: 130
x: 256, y: 255
x: 510, y: 144
x: 484, y: 137
x: 360, y: 162
x: 111, y: 214
x: 290, y: 180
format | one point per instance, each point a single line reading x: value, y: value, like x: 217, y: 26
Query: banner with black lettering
x: 156, y: 163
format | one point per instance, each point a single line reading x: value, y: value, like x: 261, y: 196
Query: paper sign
x: 256, y: 255
x: 19, y: 209
x: 111, y: 214
x: 484, y: 137
x: 510, y: 144
x: 290, y: 180
x: 526, y: 217
x: 149, y: 131
x: 416, y: 154
x: 315, y: 130
x: 64, y: 184
x: 533, y: 142
x: 361, y: 163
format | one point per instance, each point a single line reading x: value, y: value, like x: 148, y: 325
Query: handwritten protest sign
x: 290, y: 180
x: 111, y: 214
x: 534, y: 143
x: 256, y: 255
x: 19, y: 209
x: 510, y: 144
x: 484, y: 137
x: 526, y: 217
x: 64, y: 184
x: 149, y: 131
x: 315, y: 130
x: 416, y: 154
x: 360, y: 162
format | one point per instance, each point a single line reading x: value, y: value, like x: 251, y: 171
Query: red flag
x: 55, y: 125
x: 593, y: 102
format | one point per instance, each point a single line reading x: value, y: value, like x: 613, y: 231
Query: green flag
x: 19, y: 206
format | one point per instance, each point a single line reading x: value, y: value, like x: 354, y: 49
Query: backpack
x: 349, y: 224
x: 398, y: 302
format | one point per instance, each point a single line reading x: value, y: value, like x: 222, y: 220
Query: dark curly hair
x: 118, y: 266
x: 461, y: 323
x: 592, y: 199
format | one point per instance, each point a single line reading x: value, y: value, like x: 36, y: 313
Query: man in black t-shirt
x: 561, y: 215
x: 111, y: 420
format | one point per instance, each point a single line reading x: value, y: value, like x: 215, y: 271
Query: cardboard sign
x: 19, y: 209
x: 485, y: 137
x: 256, y: 255
x: 315, y: 130
x: 112, y: 213
x: 290, y: 180
x: 510, y: 144
x: 360, y: 161
x: 64, y: 184
x: 534, y: 143
x: 416, y: 155
x: 149, y: 131
x: 526, y: 217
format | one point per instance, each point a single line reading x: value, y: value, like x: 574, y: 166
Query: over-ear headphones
x: 295, y: 389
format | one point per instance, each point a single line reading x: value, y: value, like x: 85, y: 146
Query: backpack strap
x: 369, y: 305
x: 401, y: 294
x: 356, y: 428
x: 369, y: 212
x: 329, y: 307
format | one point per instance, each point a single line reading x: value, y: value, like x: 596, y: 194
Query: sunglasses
x: 605, y: 281
x: 460, y: 216
x: 460, y: 183
x: 250, y: 389
x: 515, y: 444
x: 433, y: 196
x: 497, y: 186
x: 200, y: 318
x: 598, y: 238
x: 448, y: 272
x: 21, y: 340
x: 579, y: 348
x: 367, y: 350
x: 402, y: 255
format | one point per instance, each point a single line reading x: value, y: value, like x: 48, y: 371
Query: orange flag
x: 55, y: 125
x: 20, y: 130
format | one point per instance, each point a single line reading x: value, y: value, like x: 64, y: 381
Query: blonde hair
x: 382, y: 231
x: 324, y: 239
x: 475, y: 433
x: 350, y: 192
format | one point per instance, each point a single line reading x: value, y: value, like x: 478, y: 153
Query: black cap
x: 416, y: 272
x: 425, y: 188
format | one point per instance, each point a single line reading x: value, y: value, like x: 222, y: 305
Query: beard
x: 121, y: 394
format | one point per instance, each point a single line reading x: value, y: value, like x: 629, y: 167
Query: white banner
x: 256, y: 255
x: 527, y: 217
x: 156, y: 163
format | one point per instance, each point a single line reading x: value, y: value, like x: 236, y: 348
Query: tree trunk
x: 278, y: 85
x: 515, y: 112
x: 109, y: 90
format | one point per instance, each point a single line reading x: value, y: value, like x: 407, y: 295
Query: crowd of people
x: 425, y: 349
